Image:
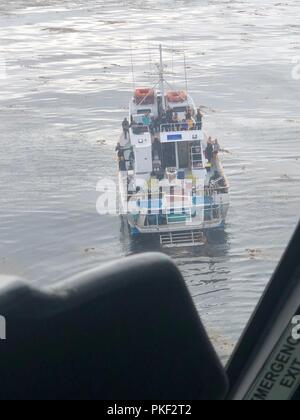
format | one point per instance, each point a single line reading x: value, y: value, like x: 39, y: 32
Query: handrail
x: 202, y: 194
x: 180, y: 126
x: 211, y: 219
x: 183, y: 204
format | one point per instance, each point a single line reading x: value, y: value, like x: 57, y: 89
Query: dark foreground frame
x: 130, y: 331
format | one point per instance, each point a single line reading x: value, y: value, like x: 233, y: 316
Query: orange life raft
x: 144, y: 96
x: 177, y: 96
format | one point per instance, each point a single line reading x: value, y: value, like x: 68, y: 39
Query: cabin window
x: 139, y: 129
x: 156, y: 220
x: 180, y: 109
x: 144, y: 111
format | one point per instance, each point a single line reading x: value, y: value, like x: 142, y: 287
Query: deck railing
x: 180, y: 126
x: 166, y: 210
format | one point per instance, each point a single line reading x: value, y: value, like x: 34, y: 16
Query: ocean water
x: 66, y: 79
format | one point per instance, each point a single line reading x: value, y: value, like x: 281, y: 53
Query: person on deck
x: 217, y: 147
x: 132, y: 121
x: 191, y: 123
x: 185, y: 125
x: 147, y: 119
x: 175, y: 121
x: 164, y: 122
x: 209, y: 151
x: 188, y: 114
x: 120, y: 150
x: 169, y: 115
x: 133, y: 125
x: 122, y: 164
x: 199, y: 119
x: 156, y: 147
x: 156, y: 124
x: 152, y: 126
x: 126, y: 126
x: 131, y: 160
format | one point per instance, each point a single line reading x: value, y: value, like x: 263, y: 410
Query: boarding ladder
x: 196, y: 157
x: 182, y: 239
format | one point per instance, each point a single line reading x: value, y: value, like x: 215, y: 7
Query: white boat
x: 170, y: 183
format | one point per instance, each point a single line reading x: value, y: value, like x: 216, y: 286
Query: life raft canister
x: 177, y: 96
x: 145, y: 96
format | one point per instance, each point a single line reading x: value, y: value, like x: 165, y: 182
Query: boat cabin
x: 164, y: 134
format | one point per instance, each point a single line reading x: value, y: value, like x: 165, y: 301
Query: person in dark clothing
x: 176, y: 123
x: 131, y: 160
x: 156, y: 147
x: 122, y: 164
x: 185, y: 125
x: 152, y: 126
x: 188, y: 114
x: 164, y: 122
x: 119, y: 150
x: 169, y: 115
x: 169, y: 119
x: 199, y: 119
x: 126, y: 126
x: 218, y: 148
x: 209, y: 151
x: 156, y: 124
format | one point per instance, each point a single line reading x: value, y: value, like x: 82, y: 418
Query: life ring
x: 145, y: 96
x: 177, y: 96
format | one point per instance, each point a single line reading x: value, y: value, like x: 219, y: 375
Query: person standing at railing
x: 152, y: 126
x: 131, y: 160
x: 188, y: 114
x: 164, y: 122
x: 125, y: 125
x: 120, y: 150
x: 122, y: 165
x: 169, y: 115
x: 156, y: 124
x: 216, y: 160
x: 217, y: 147
x: 156, y: 148
x: 191, y: 123
x: 199, y: 119
x: 185, y: 125
x: 175, y: 122
x: 209, y: 151
x: 147, y: 119
x: 133, y: 123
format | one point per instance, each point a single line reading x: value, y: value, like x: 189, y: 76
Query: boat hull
x: 213, y: 221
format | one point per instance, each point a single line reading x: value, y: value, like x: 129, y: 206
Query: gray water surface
x: 67, y: 86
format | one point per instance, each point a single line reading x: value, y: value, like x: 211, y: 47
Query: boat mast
x: 161, y: 77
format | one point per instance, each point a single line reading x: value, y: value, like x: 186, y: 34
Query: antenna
x: 173, y: 79
x: 150, y: 60
x: 185, y: 72
x: 132, y: 65
x: 185, y: 65
x: 161, y: 76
